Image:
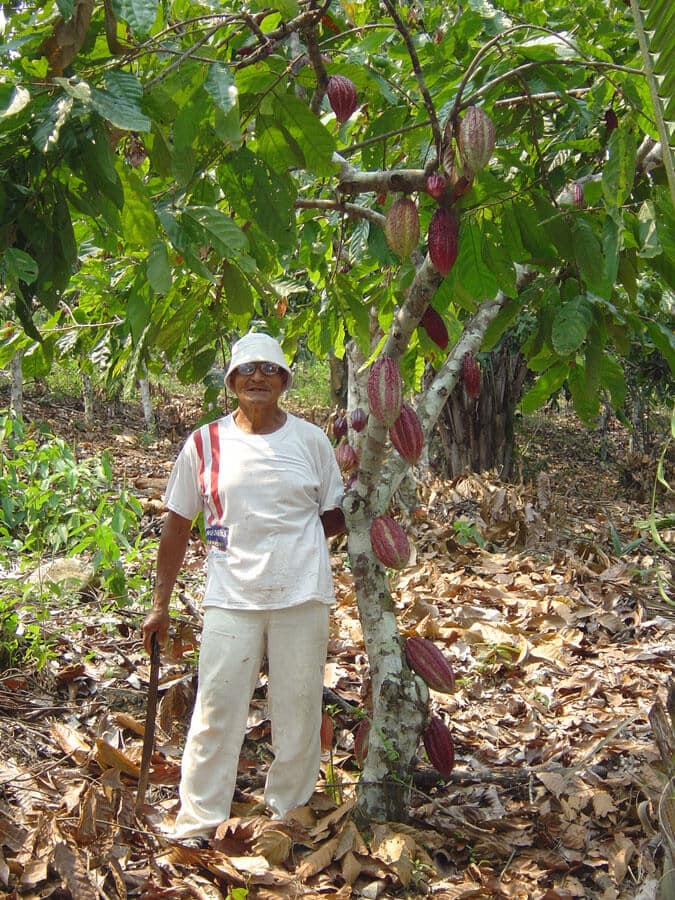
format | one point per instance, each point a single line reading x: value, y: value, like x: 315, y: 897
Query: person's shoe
x: 192, y: 843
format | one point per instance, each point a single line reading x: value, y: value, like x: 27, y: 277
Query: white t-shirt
x: 261, y: 495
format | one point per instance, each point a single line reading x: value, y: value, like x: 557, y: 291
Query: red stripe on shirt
x: 199, y: 444
x: 214, y: 435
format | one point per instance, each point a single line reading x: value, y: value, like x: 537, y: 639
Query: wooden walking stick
x: 149, y: 731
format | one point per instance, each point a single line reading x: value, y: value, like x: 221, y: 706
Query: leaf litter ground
x: 561, y: 644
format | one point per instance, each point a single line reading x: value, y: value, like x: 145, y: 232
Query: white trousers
x: 233, y: 644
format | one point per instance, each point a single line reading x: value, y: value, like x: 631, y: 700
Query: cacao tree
x: 395, y: 185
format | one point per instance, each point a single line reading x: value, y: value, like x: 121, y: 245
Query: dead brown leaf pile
x: 560, y: 646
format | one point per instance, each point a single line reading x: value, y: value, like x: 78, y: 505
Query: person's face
x: 260, y: 386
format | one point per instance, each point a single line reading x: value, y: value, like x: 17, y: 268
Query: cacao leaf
x: 137, y: 312
x: 139, y: 15
x: 211, y: 226
x: 533, y: 235
x: 470, y: 278
x: 220, y: 85
x: 618, y: 172
x: 612, y: 377
x: 586, y: 405
x: 570, y: 325
x: 157, y: 268
x: 588, y: 255
x: 119, y: 102
x: 138, y: 214
x: 305, y: 132
x: 547, y: 383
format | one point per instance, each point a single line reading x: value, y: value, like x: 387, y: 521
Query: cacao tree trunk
x: 399, y: 698
x: 16, y: 389
x: 477, y: 433
x: 146, y: 403
x: 88, y: 399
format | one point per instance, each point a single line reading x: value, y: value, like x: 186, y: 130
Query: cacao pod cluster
x: 342, y: 97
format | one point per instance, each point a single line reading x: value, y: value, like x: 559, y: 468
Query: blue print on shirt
x: 217, y: 536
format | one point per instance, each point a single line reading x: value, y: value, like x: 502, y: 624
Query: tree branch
x: 353, y: 210
x: 352, y: 181
x: 417, y: 68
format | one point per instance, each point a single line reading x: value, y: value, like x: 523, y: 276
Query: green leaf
x: 158, y: 269
x: 237, y: 295
x: 305, y: 135
x: 664, y: 340
x: 470, y: 281
x: 221, y: 86
x: 138, y: 215
x: 140, y: 15
x: 571, y: 324
x: 586, y: 404
x: 613, y: 378
x: 18, y: 266
x: 211, y: 226
x: 547, y: 384
x: 533, y: 233
x: 588, y: 255
x: 618, y: 173
x: 138, y: 313
x: 119, y: 102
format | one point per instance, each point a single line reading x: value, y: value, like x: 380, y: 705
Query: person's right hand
x: 156, y: 622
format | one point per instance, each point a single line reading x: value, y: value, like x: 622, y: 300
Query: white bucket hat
x: 258, y: 347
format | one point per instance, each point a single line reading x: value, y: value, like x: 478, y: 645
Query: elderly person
x: 270, y: 490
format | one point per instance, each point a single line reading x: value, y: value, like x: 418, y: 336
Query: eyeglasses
x: 267, y: 368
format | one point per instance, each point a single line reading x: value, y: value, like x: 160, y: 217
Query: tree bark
x: 16, y: 389
x: 477, y: 433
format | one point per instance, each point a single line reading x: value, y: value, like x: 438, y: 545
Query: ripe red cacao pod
x: 406, y: 434
x: 342, y: 97
x: 436, y: 184
x: 385, y: 390
x: 435, y: 327
x: 471, y: 375
x: 429, y: 662
x: 326, y: 732
x: 611, y: 120
x: 347, y: 458
x: 389, y: 542
x: 340, y: 427
x: 361, y: 736
x: 475, y: 139
x: 443, y: 239
x: 578, y: 194
x: 439, y: 746
x: 402, y: 227
x: 359, y: 419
